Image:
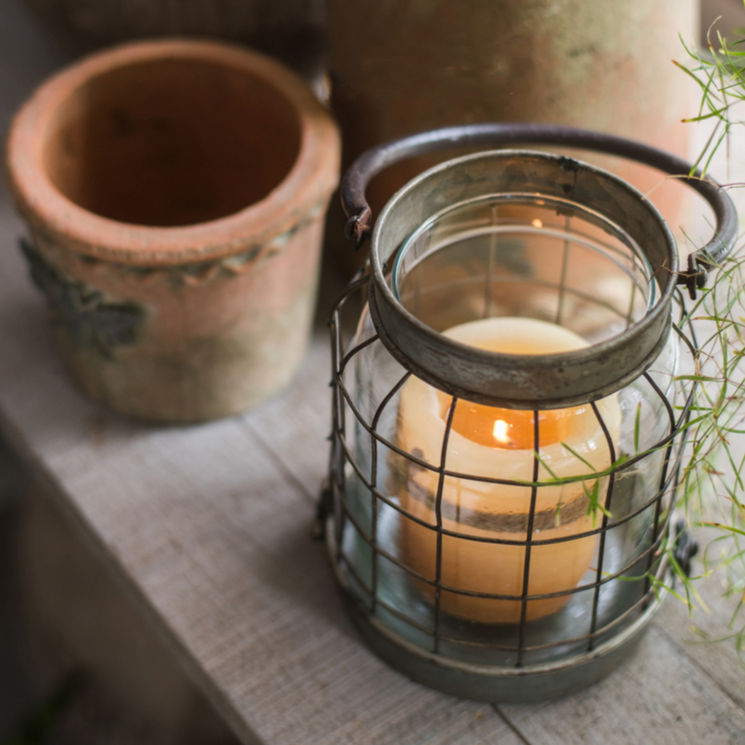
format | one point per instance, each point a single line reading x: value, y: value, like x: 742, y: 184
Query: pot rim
x: 307, y: 185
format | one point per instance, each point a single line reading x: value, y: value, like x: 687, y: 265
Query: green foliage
x: 713, y: 477
x: 720, y: 74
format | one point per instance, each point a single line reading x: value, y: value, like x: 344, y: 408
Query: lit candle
x: 499, y: 443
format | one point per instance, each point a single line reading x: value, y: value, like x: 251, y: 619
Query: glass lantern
x: 508, y: 412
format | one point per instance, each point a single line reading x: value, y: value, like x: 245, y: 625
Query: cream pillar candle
x: 499, y: 443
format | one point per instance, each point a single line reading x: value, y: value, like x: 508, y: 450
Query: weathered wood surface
x: 207, y: 530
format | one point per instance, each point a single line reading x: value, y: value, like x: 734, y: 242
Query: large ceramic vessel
x: 402, y: 67
x: 175, y: 193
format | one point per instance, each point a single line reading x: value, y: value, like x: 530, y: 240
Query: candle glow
x: 500, y: 432
x: 499, y: 443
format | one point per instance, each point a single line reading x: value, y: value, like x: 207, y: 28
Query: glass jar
x: 507, y: 412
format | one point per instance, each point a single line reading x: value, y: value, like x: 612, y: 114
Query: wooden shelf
x: 208, y: 529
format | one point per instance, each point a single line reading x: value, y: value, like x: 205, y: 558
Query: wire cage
x: 509, y: 412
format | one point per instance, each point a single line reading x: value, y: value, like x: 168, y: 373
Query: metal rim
x: 523, y: 381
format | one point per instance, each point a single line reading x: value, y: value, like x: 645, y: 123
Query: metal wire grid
x: 672, y: 445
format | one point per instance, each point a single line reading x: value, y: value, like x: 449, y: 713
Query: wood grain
x: 657, y: 697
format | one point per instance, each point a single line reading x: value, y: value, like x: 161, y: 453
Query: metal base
x: 495, y: 684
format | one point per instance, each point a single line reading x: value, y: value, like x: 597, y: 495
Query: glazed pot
x: 175, y: 193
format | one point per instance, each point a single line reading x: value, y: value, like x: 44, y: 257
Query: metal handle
x: 372, y: 162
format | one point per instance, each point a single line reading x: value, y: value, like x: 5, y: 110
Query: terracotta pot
x: 175, y: 193
x: 107, y: 21
x: 402, y: 67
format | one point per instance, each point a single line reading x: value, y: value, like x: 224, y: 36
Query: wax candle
x: 499, y: 443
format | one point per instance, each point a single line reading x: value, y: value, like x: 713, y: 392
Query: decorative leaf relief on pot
x: 91, y: 320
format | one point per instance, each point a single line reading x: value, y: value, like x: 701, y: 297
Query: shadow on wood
x: 79, y: 619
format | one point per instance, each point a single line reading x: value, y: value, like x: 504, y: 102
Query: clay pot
x: 175, y: 192
x: 291, y: 30
x: 402, y: 67
x: 108, y: 21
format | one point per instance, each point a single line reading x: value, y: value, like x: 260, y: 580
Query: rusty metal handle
x: 497, y: 135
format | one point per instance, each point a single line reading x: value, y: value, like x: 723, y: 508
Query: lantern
x: 508, y: 411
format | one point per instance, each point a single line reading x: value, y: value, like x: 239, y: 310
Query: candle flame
x: 500, y: 432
